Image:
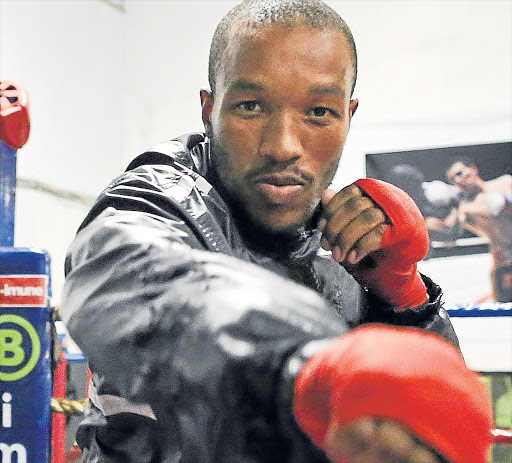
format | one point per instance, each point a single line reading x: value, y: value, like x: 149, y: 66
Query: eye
x: 251, y: 106
x: 320, y: 111
x: 322, y: 115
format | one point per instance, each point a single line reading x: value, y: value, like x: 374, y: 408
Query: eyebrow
x: 244, y: 85
x: 328, y: 90
x: 241, y: 85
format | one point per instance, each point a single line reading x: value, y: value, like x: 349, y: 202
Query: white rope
x: 36, y: 185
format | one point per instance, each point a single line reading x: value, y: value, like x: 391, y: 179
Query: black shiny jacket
x: 194, y: 330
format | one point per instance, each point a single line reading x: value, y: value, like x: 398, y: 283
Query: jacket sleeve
x: 430, y: 316
x: 184, y: 329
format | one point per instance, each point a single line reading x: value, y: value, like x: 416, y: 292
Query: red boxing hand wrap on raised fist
x: 394, y: 277
x: 406, y: 375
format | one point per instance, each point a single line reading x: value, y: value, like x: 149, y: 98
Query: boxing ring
x: 485, y: 335
x: 43, y: 385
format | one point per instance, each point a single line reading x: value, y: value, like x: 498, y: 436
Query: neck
x: 481, y: 185
x: 270, y: 242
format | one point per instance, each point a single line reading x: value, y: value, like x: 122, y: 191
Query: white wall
x: 106, y: 84
x: 424, y: 66
x: 69, y: 56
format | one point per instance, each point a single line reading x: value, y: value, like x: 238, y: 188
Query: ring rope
x: 68, y: 406
x: 484, y: 309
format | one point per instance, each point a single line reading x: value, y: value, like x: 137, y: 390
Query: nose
x: 281, y: 139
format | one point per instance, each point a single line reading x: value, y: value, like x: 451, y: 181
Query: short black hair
x: 250, y: 15
x: 468, y: 162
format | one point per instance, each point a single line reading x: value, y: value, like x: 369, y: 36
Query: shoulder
x: 164, y: 180
x: 190, y: 150
x: 177, y: 167
x: 502, y: 184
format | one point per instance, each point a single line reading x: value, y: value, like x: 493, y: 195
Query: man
x: 485, y: 209
x: 198, y: 290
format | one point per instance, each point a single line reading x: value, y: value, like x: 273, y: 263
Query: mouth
x: 280, y: 189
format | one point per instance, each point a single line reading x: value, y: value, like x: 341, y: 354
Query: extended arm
x: 193, y: 333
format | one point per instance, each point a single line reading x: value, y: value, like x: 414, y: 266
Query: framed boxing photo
x: 423, y: 174
x: 465, y: 196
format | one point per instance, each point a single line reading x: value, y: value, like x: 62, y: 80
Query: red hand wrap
x: 405, y: 241
x: 407, y: 375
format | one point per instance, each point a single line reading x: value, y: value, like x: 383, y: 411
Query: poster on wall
x: 465, y: 196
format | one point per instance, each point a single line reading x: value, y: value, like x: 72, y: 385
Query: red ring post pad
x: 25, y: 355
x: 14, y: 114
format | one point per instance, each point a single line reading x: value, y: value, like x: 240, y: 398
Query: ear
x: 206, y: 111
x: 352, y: 107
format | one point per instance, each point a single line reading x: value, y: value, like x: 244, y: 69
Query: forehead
x: 288, y: 53
x: 457, y: 167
